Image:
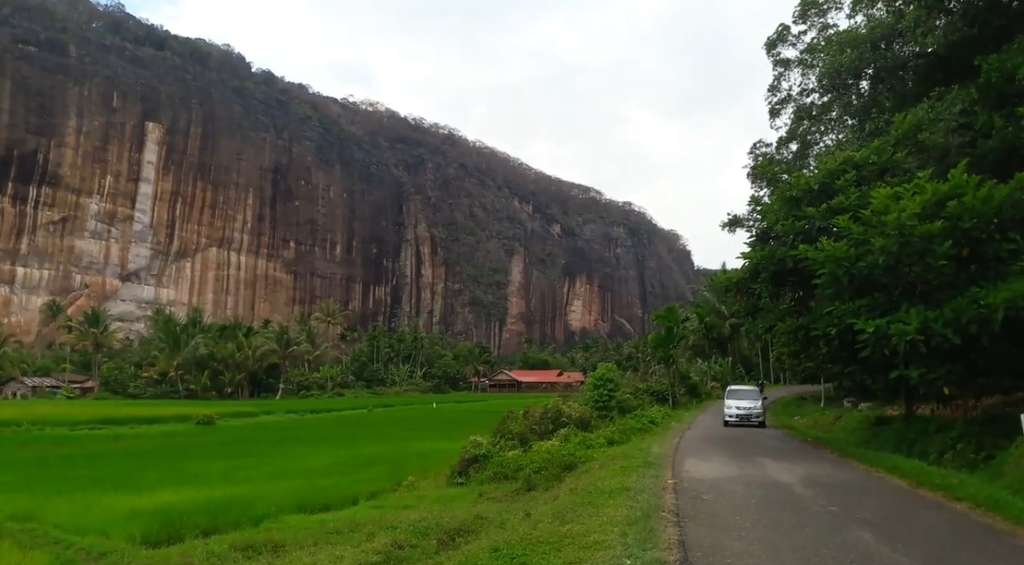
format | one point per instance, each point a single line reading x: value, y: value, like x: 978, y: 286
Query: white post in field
x: 1022, y: 423
x: 823, y: 392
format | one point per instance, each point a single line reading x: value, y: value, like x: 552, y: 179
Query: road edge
x: 672, y: 526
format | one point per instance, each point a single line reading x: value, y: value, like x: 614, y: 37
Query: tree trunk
x: 96, y: 371
x: 280, y: 384
x: 760, y: 362
x: 672, y: 388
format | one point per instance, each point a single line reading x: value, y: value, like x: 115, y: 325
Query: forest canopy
x: 884, y: 229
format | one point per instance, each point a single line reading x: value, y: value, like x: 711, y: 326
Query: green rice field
x: 79, y: 414
x: 142, y: 474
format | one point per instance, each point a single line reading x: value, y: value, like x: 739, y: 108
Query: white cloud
x: 651, y: 101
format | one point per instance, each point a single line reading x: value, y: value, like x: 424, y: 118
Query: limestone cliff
x: 138, y: 168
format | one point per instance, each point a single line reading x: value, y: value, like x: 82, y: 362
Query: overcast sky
x: 651, y: 101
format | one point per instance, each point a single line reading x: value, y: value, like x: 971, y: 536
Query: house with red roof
x: 529, y: 380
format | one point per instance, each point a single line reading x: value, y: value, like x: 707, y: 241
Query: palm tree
x: 316, y: 351
x: 476, y: 361
x: 284, y: 347
x: 721, y: 329
x: 244, y: 354
x: 94, y: 333
x: 51, y: 312
x: 330, y: 315
x: 178, y: 343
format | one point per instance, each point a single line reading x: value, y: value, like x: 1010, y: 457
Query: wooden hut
x: 27, y: 387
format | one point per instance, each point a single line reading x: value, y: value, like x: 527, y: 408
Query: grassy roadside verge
x: 607, y: 511
x: 994, y: 485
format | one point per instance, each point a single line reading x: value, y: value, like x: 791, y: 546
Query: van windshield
x: 743, y: 394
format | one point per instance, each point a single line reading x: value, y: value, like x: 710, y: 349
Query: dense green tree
x: 534, y: 356
x: 602, y: 391
x: 883, y: 229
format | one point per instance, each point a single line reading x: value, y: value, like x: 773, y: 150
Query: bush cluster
x: 548, y: 457
x: 537, y: 446
x: 207, y: 419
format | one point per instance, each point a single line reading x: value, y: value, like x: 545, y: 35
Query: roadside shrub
x: 538, y: 446
x: 544, y: 464
x: 522, y: 428
x: 476, y: 453
x: 1009, y: 468
x: 954, y: 443
x: 628, y: 427
x: 207, y: 419
x: 603, y: 391
x: 526, y: 443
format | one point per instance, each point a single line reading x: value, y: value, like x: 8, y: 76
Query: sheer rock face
x: 129, y: 179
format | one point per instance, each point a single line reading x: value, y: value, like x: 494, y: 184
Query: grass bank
x: 606, y: 511
x: 979, y: 462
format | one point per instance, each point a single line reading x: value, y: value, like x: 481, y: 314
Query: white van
x: 744, y: 405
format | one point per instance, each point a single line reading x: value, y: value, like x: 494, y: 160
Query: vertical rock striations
x: 140, y: 169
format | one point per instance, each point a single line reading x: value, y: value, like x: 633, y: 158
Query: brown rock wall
x: 133, y: 177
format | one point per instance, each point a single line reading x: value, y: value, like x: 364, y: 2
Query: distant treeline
x: 691, y: 354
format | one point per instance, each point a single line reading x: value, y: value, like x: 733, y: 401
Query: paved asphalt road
x: 748, y: 495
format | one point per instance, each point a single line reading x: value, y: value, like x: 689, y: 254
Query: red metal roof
x: 545, y: 376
